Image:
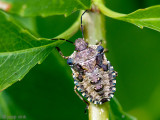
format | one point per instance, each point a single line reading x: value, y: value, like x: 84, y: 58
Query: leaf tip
x: 140, y: 27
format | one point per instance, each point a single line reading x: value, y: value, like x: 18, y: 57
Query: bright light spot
x: 4, y: 6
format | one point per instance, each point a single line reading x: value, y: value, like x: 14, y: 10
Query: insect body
x: 93, y: 75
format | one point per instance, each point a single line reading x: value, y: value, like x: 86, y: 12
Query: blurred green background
x: 46, y: 92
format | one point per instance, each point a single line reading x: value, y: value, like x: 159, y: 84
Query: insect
x: 94, y: 77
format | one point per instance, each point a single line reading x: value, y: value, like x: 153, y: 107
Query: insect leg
x: 62, y: 39
x: 99, y: 43
x: 105, y: 50
x: 81, y: 23
x: 116, y: 73
x: 75, y: 90
x: 58, y: 49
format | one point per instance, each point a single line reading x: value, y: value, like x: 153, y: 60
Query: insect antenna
x: 62, y: 39
x: 60, y: 52
x: 81, y: 23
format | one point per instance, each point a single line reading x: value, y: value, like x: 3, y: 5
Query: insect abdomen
x: 97, y: 87
x: 94, y: 77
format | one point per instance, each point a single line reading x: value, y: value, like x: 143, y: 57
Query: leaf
x: 117, y: 113
x: 28, y: 23
x: 52, y: 81
x: 19, y: 51
x: 45, y: 7
x: 148, y: 17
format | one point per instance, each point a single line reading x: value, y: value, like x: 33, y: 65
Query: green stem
x: 99, y: 112
x: 106, y: 11
x: 94, y: 28
x: 94, y: 31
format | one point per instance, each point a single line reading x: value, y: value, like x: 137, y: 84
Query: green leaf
x: 46, y: 7
x: 117, y: 113
x: 19, y: 51
x: 28, y: 23
x: 148, y: 17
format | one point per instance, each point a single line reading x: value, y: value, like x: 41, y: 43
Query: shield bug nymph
x: 94, y: 77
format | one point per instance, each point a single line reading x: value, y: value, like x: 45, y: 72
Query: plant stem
x: 94, y: 28
x: 99, y: 112
x: 94, y: 31
x: 106, y: 11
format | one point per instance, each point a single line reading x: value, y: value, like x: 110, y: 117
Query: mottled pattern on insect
x: 93, y: 75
